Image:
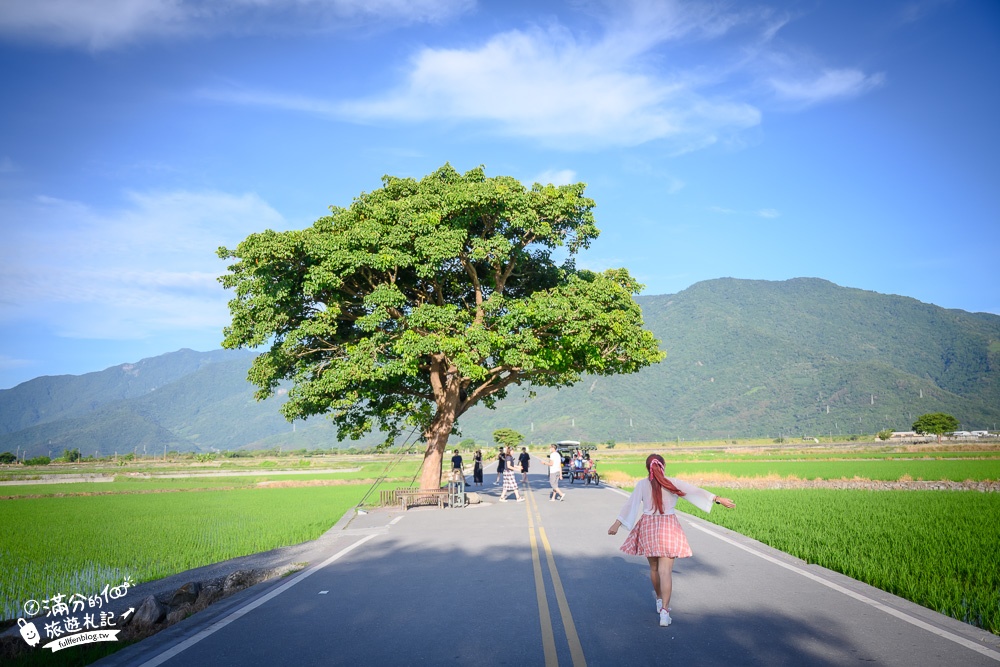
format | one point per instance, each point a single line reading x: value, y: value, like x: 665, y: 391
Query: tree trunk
x: 437, y: 439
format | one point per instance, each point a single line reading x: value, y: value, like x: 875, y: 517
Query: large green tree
x: 507, y: 437
x: 937, y: 423
x: 424, y: 298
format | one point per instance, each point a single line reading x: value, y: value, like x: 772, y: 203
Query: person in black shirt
x: 456, y: 464
x: 525, y: 459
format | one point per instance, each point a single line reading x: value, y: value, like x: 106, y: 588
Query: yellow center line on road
x: 575, y: 649
x: 548, y: 636
x: 572, y: 638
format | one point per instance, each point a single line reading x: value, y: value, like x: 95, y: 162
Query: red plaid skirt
x: 657, y: 535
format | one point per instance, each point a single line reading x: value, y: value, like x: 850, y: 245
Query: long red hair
x: 654, y: 464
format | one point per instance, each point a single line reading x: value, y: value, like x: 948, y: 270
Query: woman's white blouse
x: 641, y: 500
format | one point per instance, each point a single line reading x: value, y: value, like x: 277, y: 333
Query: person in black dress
x: 477, y: 468
x: 501, y: 466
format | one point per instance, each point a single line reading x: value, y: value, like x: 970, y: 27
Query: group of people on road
x: 581, y: 461
x: 649, y: 514
x: 507, y: 471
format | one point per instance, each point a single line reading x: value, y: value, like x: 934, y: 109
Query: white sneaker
x: 503, y: 500
x: 520, y: 500
x: 664, y: 618
x: 659, y: 605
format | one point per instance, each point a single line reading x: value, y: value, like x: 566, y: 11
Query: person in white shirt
x: 657, y: 534
x: 555, y: 472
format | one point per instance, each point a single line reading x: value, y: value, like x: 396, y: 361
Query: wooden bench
x: 408, y: 497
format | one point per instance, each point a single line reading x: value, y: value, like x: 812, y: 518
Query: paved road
x: 541, y: 583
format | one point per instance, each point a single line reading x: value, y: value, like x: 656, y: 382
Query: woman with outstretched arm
x: 655, y: 532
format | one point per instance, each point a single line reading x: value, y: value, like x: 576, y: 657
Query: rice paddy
x: 935, y: 548
x: 79, y: 544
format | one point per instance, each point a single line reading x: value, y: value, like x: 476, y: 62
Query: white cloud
x: 95, y: 26
x: 407, y: 11
x: 556, y: 177
x: 10, y: 362
x: 548, y: 86
x: 148, y: 267
x: 633, y: 83
x: 103, y: 24
x: 766, y: 213
x: 831, y: 84
x: 674, y: 185
x: 286, y: 102
x: 921, y: 9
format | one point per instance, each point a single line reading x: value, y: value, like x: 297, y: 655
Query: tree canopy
x: 424, y: 298
x: 937, y: 423
x: 507, y: 437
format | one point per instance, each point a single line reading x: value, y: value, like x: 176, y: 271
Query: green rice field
x: 78, y: 544
x: 401, y: 474
x: 957, y: 470
x: 935, y: 548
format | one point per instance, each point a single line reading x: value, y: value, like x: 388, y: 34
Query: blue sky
x: 846, y: 140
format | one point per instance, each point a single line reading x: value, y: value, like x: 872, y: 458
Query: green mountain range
x: 745, y: 358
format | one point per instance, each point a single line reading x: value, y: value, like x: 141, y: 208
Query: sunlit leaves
x: 424, y: 297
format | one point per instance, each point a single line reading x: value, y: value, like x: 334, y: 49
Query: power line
x: 392, y: 464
